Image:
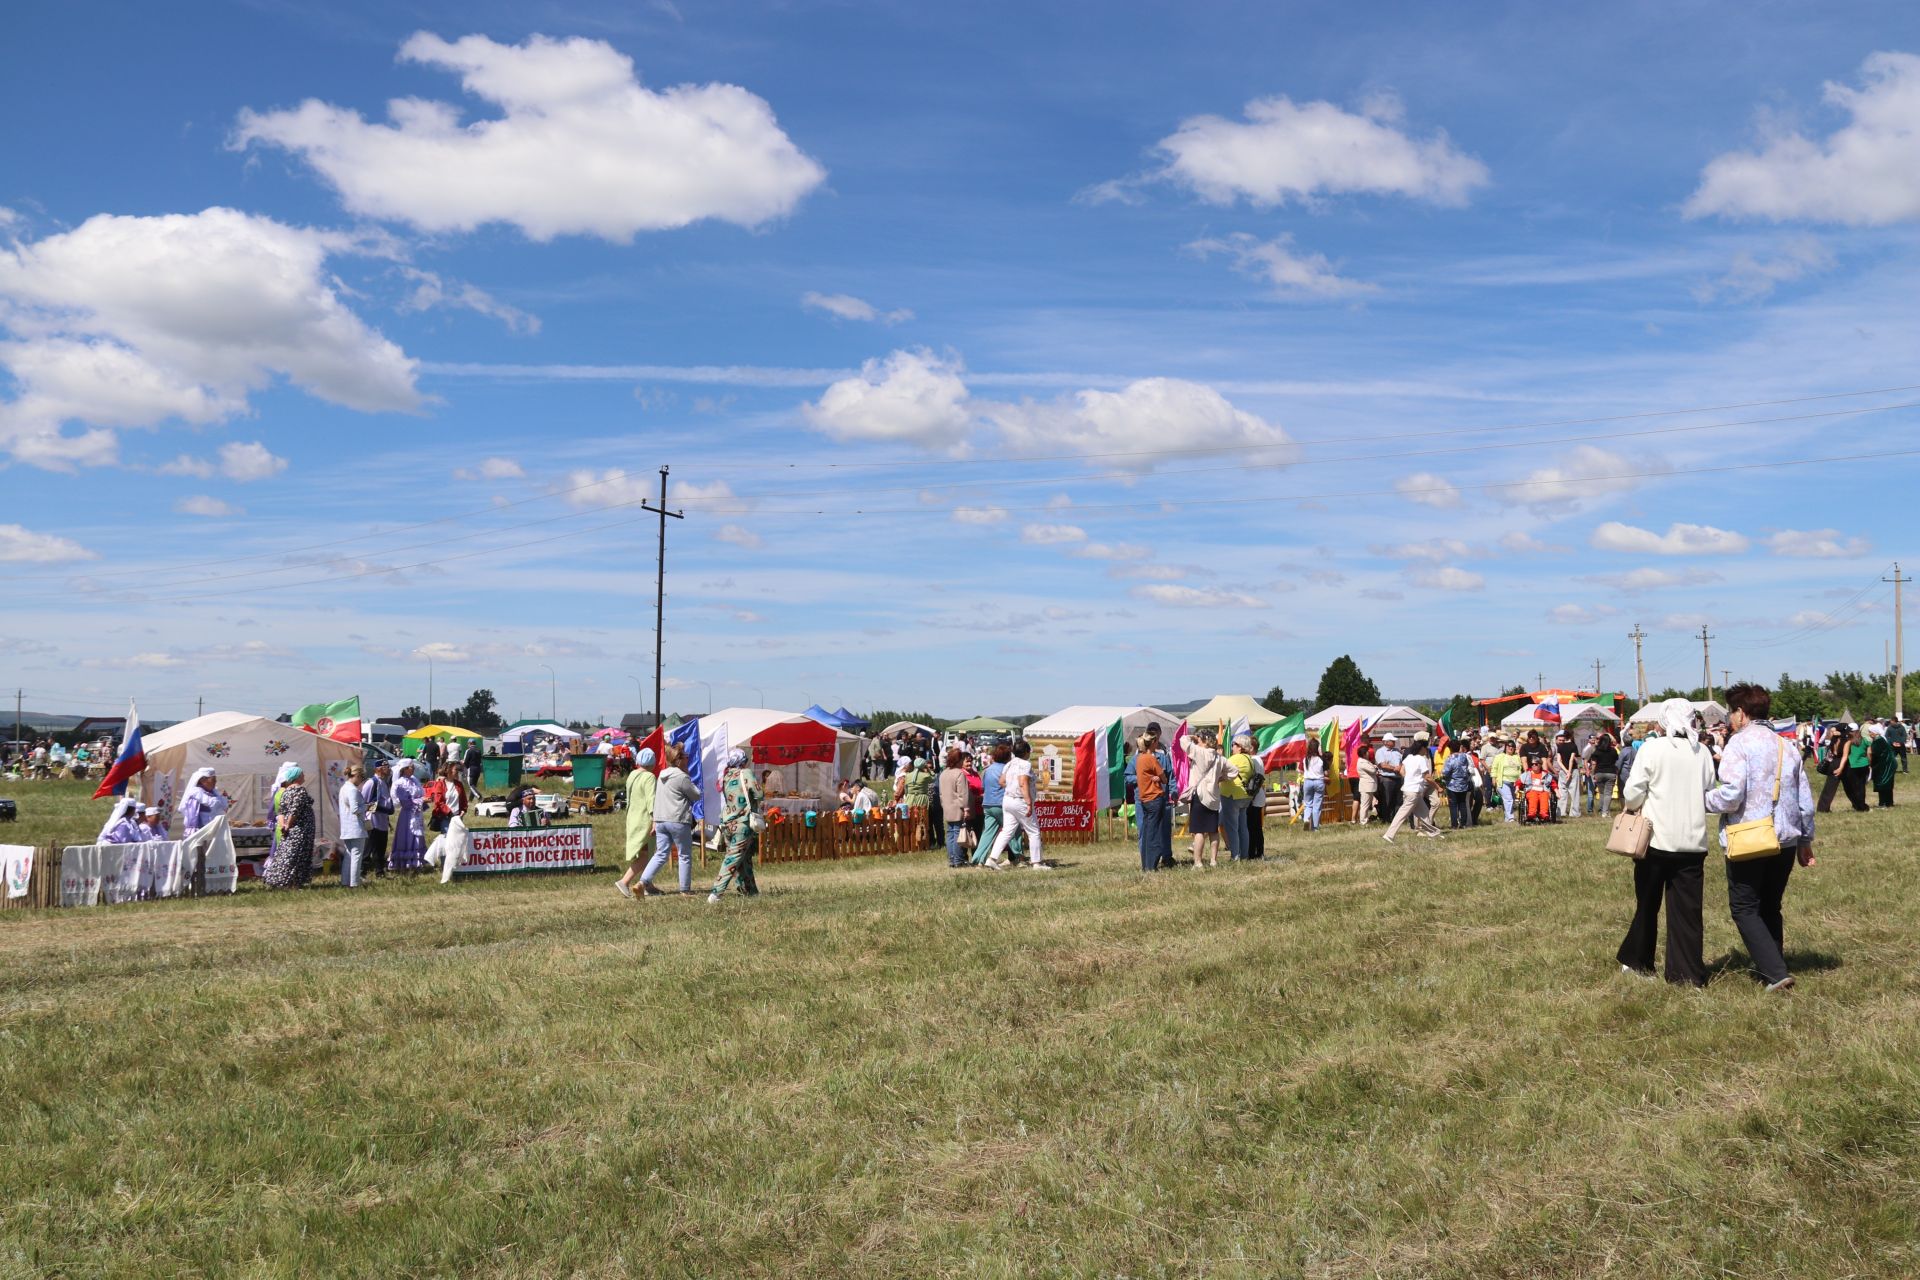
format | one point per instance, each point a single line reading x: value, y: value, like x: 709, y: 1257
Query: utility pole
x: 1639, y: 666
x: 1597, y: 664
x: 660, y: 592
x: 199, y: 706
x: 1899, y: 646
x: 18, y: 694
x: 1706, y: 660
x: 1726, y: 678
x: 1540, y: 680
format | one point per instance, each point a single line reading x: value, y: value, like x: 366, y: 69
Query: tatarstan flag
x: 337, y: 720
x: 1283, y: 742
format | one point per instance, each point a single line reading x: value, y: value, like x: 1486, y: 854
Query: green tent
x: 981, y: 724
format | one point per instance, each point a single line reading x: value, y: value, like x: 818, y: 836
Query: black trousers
x: 1389, y: 798
x: 1679, y: 878
x: 1855, y: 781
x: 1827, y: 791
x: 373, y: 861
x: 1886, y: 796
x: 1754, y: 890
x: 1256, y: 833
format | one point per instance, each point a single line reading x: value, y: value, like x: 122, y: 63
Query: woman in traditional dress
x: 740, y: 799
x: 122, y: 825
x: 408, y: 844
x: 202, y: 802
x: 641, y: 785
x: 290, y: 865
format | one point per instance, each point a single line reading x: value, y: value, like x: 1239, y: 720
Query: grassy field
x: 1349, y: 1060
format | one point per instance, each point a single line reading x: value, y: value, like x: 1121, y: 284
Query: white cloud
x: 1149, y: 572
x: 492, y: 469
x: 979, y: 515
x: 1445, y: 577
x: 613, y: 487
x: 202, y: 505
x: 430, y: 291
x: 1589, y: 473
x: 1526, y: 544
x: 1817, y: 544
x: 1653, y: 579
x: 240, y: 462
x: 442, y: 651
x: 1428, y: 489
x: 579, y: 147
x: 1286, y: 151
x: 694, y: 495
x: 1865, y: 173
x: 23, y: 546
x: 1292, y: 275
x: 1051, y: 535
x: 1433, y: 550
x: 1751, y: 278
x: 911, y: 396
x: 1678, y: 540
x: 738, y: 536
x: 1112, y: 551
x: 1148, y: 416
x: 132, y: 321
x: 1196, y: 597
x: 847, y: 307
x: 1570, y: 615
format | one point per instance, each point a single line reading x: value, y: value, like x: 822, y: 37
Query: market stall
x: 800, y: 756
x: 246, y: 752
x: 1402, y: 722
x: 1054, y: 738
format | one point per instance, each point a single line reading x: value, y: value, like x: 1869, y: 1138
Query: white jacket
x: 1669, y: 785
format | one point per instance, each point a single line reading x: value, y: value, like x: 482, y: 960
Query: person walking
x: 1150, y: 789
x: 1604, y: 763
x: 953, y: 805
x: 1367, y: 785
x: 1881, y: 764
x: 673, y: 800
x: 1313, y: 786
x: 1669, y: 784
x: 1017, y: 810
x: 740, y: 801
x: 352, y: 811
x: 1505, y: 769
x: 642, y: 786
x: 1897, y: 737
x: 1416, y: 772
x: 1832, y: 751
x: 290, y: 864
x: 470, y: 764
x: 1854, y: 772
x: 1235, y: 799
x: 1204, y: 767
x: 1761, y: 776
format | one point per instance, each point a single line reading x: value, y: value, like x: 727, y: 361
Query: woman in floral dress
x: 290, y: 865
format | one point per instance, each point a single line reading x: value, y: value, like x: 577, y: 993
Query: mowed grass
x: 1350, y: 1060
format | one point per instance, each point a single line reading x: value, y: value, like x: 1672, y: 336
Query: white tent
x: 1230, y: 709
x: 910, y: 726
x: 1710, y: 713
x: 520, y: 732
x: 1402, y: 722
x: 245, y: 752
x: 1071, y: 722
x: 1528, y: 717
x: 732, y: 727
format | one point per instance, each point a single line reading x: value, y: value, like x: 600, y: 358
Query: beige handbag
x: 1631, y: 835
x: 1758, y: 839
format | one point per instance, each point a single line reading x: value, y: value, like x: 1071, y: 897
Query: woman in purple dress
x: 407, y: 798
x: 202, y: 803
x: 290, y: 865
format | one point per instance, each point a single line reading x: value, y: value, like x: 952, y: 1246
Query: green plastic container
x: 500, y: 773
x: 589, y: 772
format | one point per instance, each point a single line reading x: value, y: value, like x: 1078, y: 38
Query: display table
x: 796, y: 806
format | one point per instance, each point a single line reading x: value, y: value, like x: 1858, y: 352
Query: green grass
x: 1348, y: 1061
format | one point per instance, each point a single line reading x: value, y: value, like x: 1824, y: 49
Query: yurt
x: 246, y: 752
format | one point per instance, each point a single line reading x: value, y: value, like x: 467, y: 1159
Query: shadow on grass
x: 1737, y: 962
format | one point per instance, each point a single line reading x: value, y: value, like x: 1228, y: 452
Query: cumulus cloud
x: 1568, y: 615
x: 1428, y: 489
x: 1144, y: 417
x: 1051, y: 535
x: 1112, y: 551
x: 914, y: 397
x: 1294, y: 276
x: 1526, y: 544
x: 738, y: 536
x: 242, y: 463
x: 431, y: 291
x: 1446, y: 577
x: 1753, y: 277
x: 23, y: 546
x: 1639, y: 580
x: 847, y: 307
x: 1678, y: 540
x: 1865, y: 173
x: 1589, y: 473
x: 579, y: 146
x: 442, y: 651
x: 1148, y: 572
x: 1433, y: 549
x: 1195, y: 597
x: 613, y: 487
x: 979, y: 515
x: 1817, y: 544
x: 133, y: 321
x: 210, y: 507
x: 1286, y: 151
x: 492, y: 469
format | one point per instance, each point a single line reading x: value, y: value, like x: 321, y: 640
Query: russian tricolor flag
x: 131, y: 760
x: 1547, y: 711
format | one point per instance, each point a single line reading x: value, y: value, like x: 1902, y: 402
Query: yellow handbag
x: 1758, y: 839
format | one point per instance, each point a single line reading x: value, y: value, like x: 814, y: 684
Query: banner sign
x: 1063, y: 815
x: 564, y: 848
x: 18, y: 860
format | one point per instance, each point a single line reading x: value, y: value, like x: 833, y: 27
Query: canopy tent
x: 803, y: 754
x: 444, y: 731
x: 981, y: 724
x: 520, y: 732
x: 246, y: 752
x: 824, y: 716
x: 1401, y: 722
x: 1230, y: 709
x: 911, y: 726
x: 848, y: 720
x: 618, y: 735
x: 1071, y: 722
x: 1710, y: 713
x: 1572, y: 714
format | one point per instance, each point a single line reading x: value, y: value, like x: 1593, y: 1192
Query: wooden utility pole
x: 1706, y: 660
x: 1899, y: 645
x: 1597, y: 664
x: 660, y: 593
x: 1639, y: 665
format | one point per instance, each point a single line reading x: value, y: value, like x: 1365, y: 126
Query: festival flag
x: 1547, y: 711
x: 687, y: 738
x: 131, y: 760
x: 337, y: 720
x: 1182, y: 763
x: 1240, y: 726
x: 1787, y: 728
x: 655, y: 742
x: 1283, y: 742
x: 1100, y: 766
x: 1443, y: 731
x: 1350, y: 746
x: 1330, y: 744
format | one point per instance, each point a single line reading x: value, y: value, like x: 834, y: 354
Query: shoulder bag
x: 1759, y: 838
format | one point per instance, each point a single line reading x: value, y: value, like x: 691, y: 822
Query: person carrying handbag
x: 1669, y: 784
x: 1762, y: 780
x: 740, y: 827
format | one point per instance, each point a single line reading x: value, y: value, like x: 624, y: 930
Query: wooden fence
x: 43, y: 886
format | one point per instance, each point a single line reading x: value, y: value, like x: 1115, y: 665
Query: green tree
x: 1516, y: 691
x: 1280, y: 704
x: 479, y: 713
x: 1344, y: 682
x: 1800, y: 699
x: 413, y: 717
x: 1860, y: 693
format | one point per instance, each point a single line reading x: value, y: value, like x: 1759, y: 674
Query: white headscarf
x: 121, y: 809
x: 193, y: 785
x: 288, y: 772
x: 1676, y: 717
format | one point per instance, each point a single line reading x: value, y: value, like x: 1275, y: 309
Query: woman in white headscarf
x: 740, y: 800
x: 408, y: 795
x: 1669, y: 784
x: 290, y: 865
x: 201, y: 803
x: 122, y: 825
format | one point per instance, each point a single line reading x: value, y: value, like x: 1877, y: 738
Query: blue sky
x: 1005, y: 357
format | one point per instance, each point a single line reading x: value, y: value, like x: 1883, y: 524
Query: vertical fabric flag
x: 1443, y: 731
x: 1283, y: 742
x: 1330, y: 744
x: 132, y: 758
x: 687, y: 738
x: 337, y: 720
x: 1182, y: 765
x: 1350, y: 746
x: 1100, y: 766
x: 655, y: 742
x: 1547, y: 710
